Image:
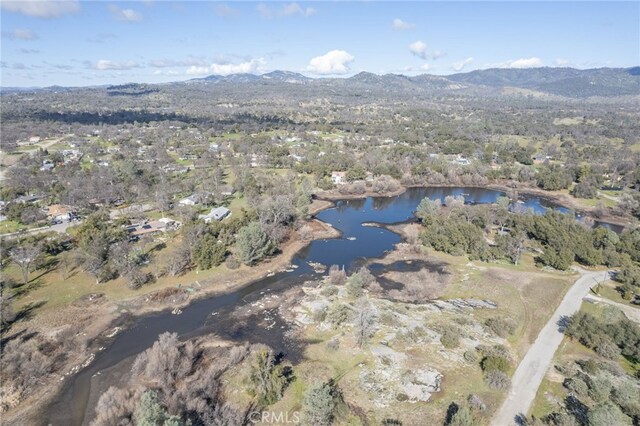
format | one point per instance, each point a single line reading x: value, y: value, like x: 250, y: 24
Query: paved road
x: 629, y: 311
x: 60, y: 228
x: 536, y: 362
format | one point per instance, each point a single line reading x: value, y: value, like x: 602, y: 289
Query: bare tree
x: 364, y: 321
x: 25, y: 257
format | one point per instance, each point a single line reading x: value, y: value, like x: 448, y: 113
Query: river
x: 74, y: 405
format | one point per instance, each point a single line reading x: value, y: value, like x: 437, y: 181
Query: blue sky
x: 79, y: 43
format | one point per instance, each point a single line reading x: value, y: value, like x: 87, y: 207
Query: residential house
x: 151, y: 227
x: 191, y: 200
x: 59, y: 212
x: 461, y: 161
x: 226, y: 190
x: 541, y: 158
x: 339, y: 178
x: 216, y: 213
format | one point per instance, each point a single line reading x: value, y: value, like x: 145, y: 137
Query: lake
x: 210, y: 315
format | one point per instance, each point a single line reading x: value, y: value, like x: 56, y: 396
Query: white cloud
x: 458, y: 66
x: 334, y: 62
x: 425, y: 67
x: 264, y: 10
x: 188, y: 62
x: 437, y: 54
x: 20, y: 34
x: 292, y: 9
x: 252, y: 66
x: 400, y: 25
x: 42, y: 9
x: 562, y: 62
x: 105, y: 64
x: 128, y: 15
x: 419, y: 48
x: 524, y: 63
x: 226, y: 10
x: 519, y: 63
x: 169, y: 72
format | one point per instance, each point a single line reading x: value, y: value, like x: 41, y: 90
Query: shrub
x: 450, y: 337
x: 599, y: 387
x: 337, y: 276
x: 606, y: 414
x: 577, y: 386
x: 462, y: 417
x: 333, y: 344
x: 232, y: 262
x: 476, y: 403
x: 502, y: 327
x: 497, y: 380
x: 267, y: 377
x: 355, y: 286
x: 328, y: 290
x: 338, y: 314
x: 149, y: 412
x: 495, y: 363
x: 589, y: 366
x: 320, y: 403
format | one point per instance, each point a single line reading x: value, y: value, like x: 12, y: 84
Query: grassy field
x: 523, y: 293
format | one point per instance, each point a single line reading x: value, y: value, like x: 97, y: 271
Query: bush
x: 502, y: 327
x: 462, y: 417
x: 338, y: 314
x: 495, y: 363
x: 320, y: 403
x: 606, y: 414
x: 232, y: 262
x: 333, y: 344
x: 355, y: 286
x: 476, y: 403
x: 149, y: 411
x: 328, y: 290
x: 577, y: 386
x: 450, y: 337
x: 599, y: 387
x: 337, y: 276
x: 320, y: 315
x: 497, y: 380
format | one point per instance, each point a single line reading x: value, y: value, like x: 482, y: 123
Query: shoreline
x: 562, y: 200
x: 122, y: 313
x: 115, y: 316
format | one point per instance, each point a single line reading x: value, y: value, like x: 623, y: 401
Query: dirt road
x: 534, y: 365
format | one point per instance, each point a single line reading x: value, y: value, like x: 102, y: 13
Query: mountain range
x: 563, y: 82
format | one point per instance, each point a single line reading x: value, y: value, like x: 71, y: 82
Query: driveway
x: 533, y: 367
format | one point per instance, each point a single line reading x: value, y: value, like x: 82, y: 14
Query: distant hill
x: 568, y: 82
x: 557, y: 82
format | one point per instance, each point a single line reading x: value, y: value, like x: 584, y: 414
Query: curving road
x: 533, y: 367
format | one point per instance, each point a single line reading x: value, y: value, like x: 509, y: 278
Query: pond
x: 211, y: 315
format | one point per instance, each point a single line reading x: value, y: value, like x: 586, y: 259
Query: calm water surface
x: 208, y: 315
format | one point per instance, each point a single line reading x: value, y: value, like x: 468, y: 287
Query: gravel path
x: 533, y: 367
